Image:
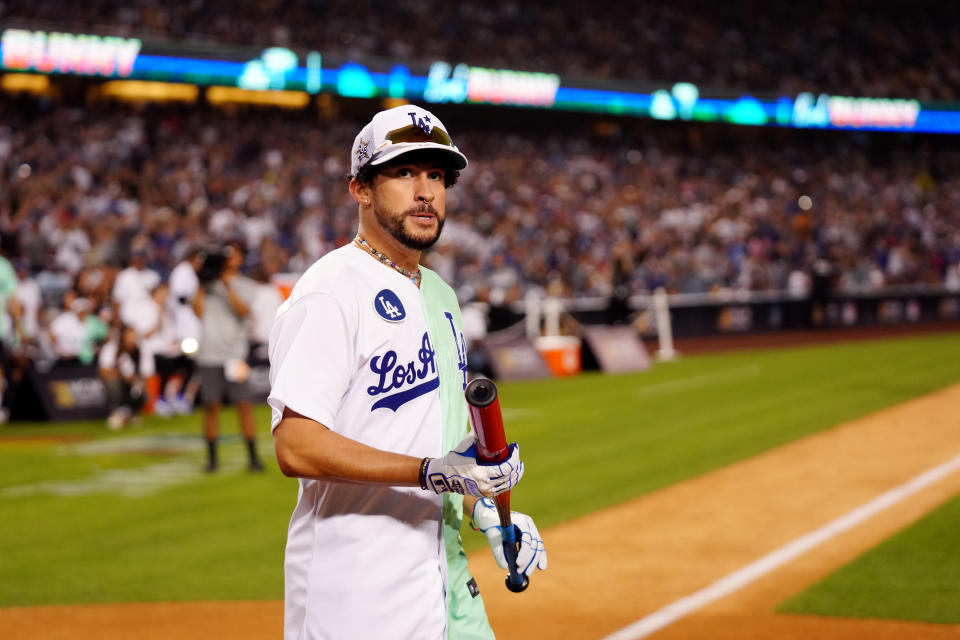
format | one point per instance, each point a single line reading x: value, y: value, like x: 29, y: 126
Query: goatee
x: 394, y: 224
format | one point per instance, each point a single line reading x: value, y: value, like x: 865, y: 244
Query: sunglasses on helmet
x: 413, y: 133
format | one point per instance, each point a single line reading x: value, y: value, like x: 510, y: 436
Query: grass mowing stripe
x: 603, y: 446
x: 698, y: 381
x: 587, y: 442
x: 910, y: 576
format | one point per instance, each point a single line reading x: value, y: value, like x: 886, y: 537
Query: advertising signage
x: 440, y: 81
x: 44, y: 52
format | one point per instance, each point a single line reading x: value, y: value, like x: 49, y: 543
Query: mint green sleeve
x: 466, y: 616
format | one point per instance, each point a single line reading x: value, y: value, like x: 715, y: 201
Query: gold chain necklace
x: 412, y: 276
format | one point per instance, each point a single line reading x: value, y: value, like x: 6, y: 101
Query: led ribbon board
x: 278, y: 68
x: 44, y: 52
x: 479, y: 85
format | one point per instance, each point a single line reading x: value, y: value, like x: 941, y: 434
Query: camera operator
x: 223, y: 303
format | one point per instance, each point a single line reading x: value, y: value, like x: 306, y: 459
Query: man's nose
x: 425, y: 188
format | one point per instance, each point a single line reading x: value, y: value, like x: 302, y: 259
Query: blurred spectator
x: 474, y: 322
x: 799, y: 305
x: 131, y: 290
x: 147, y: 318
x: 184, y: 283
x: 736, y: 210
x: 618, y: 308
x: 822, y: 283
x: 94, y: 282
x: 953, y: 277
x: 172, y: 367
x: 124, y: 368
x: 30, y: 302
x: 181, y: 386
x: 266, y: 300
x: 223, y: 303
x: 96, y: 331
x: 10, y: 325
x: 557, y: 209
x: 74, y: 340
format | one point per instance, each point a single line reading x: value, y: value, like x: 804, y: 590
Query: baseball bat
x: 491, y: 441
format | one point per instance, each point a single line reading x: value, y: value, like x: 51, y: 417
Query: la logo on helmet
x: 422, y: 123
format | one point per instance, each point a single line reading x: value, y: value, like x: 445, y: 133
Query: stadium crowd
x: 895, y: 49
x: 98, y: 207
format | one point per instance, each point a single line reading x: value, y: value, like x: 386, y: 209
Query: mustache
x: 423, y: 208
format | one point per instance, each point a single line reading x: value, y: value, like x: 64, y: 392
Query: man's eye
x: 436, y: 175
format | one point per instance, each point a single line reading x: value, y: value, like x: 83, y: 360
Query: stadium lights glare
x: 390, y: 103
x: 189, y: 346
x: 276, y: 76
x: 139, y: 91
x: 25, y: 83
x: 231, y: 95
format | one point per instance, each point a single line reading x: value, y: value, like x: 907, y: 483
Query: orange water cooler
x: 562, y: 354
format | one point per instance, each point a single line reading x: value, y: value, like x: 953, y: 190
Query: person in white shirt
x: 367, y: 371
x: 183, y: 278
x: 30, y: 297
x: 158, y: 335
x: 266, y: 300
x: 181, y: 390
x: 68, y: 332
x: 134, y: 284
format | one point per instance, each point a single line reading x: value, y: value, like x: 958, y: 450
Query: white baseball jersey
x: 351, y: 349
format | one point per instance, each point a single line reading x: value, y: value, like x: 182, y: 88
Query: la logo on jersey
x: 461, y: 347
x: 399, y: 382
x: 388, y: 306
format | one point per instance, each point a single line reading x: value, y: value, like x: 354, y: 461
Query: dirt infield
x: 614, y: 567
x: 238, y: 620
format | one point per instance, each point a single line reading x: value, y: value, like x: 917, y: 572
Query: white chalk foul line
x: 697, y: 381
x: 742, y: 577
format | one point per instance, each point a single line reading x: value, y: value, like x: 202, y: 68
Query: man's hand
x: 532, y: 554
x: 460, y: 472
x: 236, y: 302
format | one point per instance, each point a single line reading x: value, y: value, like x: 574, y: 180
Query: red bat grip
x: 491, y: 442
x: 484, y: 406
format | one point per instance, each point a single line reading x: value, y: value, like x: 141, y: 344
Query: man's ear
x: 361, y: 192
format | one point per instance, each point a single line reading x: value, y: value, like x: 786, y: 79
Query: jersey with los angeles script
x: 360, y: 349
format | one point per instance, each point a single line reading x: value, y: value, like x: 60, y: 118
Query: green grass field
x: 911, y: 576
x: 130, y: 516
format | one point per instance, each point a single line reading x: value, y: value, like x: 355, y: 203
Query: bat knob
x: 518, y: 587
x: 481, y: 392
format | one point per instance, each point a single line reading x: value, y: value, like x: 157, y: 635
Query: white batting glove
x: 460, y: 472
x: 532, y: 554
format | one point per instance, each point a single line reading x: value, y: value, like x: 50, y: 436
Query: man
x: 181, y: 387
x: 124, y: 368
x: 71, y: 337
x: 368, y: 368
x: 10, y: 326
x: 184, y: 283
x: 223, y: 305
x: 134, y: 284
